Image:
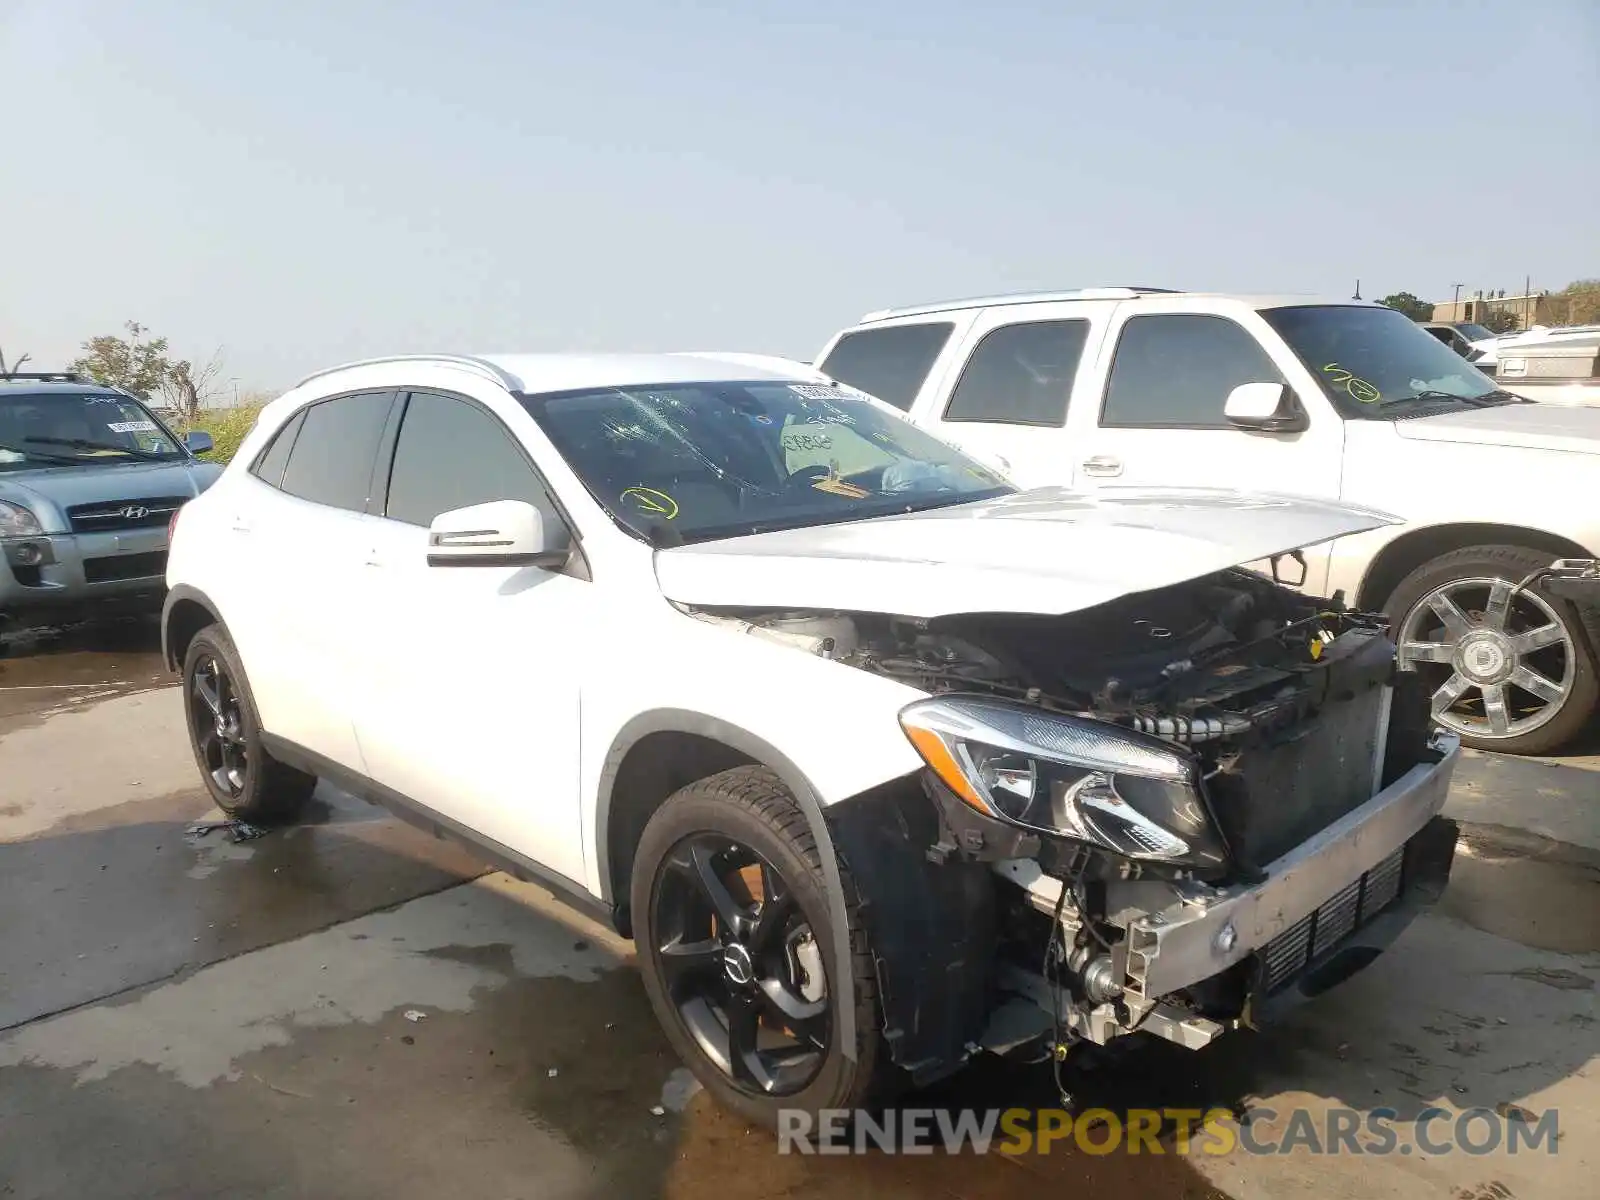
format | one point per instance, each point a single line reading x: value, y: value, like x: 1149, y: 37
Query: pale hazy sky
x: 308, y: 182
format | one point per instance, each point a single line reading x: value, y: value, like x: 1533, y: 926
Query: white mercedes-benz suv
x: 882, y: 762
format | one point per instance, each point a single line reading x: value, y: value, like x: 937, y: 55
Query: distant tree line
x: 1576, y: 304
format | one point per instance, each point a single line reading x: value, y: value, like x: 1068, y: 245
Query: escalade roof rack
x: 1103, y: 293
x: 481, y: 366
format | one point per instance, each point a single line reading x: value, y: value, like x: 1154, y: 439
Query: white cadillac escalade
x: 1336, y: 400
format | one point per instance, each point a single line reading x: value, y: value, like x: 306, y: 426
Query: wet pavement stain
x: 44, y: 672
x: 496, y: 957
x: 1525, y: 887
x: 399, y: 1109
x: 121, y: 897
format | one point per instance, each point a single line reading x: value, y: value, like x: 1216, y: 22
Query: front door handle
x: 1102, y: 465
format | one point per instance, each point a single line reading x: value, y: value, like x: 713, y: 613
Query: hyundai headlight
x: 16, y: 521
x: 1126, y: 792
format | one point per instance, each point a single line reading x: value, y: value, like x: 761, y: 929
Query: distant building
x: 1537, y: 308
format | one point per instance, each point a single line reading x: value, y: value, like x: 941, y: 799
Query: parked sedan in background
x: 89, y: 480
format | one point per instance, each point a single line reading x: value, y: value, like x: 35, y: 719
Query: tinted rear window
x: 331, y: 462
x: 889, y: 363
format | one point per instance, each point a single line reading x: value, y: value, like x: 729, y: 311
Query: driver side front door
x: 469, y: 702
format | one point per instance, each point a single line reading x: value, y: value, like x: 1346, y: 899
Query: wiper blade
x: 41, y: 455
x: 86, y: 444
x: 1434, y: 394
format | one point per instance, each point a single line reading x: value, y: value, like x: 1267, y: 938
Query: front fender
x: 669, y: 720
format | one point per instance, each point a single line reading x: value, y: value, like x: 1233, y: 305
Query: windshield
x: 1375, y: 363
x: 1474, y: 333
x: 53, y: 429
x: 706, y: 460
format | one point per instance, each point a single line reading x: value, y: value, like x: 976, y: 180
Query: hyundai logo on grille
x: 133, y: 512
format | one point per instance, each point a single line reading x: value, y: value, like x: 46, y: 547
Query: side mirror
x: 198, y: 441
x: 1269, y: 407
x: 502, y: 533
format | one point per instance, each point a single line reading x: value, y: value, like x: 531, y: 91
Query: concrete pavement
x: 186, y: 1016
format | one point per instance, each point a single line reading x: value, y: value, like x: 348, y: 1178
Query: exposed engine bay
x: 1287, y: 711
x: 1206, y: 663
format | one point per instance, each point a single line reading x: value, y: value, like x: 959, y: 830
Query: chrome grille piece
x: 151, y: 512
x: 1338, y: 917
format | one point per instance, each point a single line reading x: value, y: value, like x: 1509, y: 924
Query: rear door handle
x: 1102, y: 465
x: 240, y: 525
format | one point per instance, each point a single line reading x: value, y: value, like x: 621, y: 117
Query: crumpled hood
x: 1046, y: 551
x: 1530, y: 426
x: 49, y: 491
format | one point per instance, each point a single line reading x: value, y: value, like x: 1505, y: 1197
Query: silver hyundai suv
x: 89, y: 481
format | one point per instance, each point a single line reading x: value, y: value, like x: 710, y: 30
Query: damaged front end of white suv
x: 1172, y: 812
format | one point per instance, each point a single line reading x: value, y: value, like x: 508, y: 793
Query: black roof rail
x: 47, y: 376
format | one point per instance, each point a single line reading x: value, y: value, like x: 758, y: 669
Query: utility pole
x: 1357, y: 296
x: 1527, y: 302
x: 1456, y: 299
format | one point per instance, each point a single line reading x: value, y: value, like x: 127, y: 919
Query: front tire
x: 1509, y: 673
x: 731, y: 921
x: 245, y: 782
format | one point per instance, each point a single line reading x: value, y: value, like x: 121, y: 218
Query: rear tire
x: 706, y: 831
x: 1453, y: 619
x: 245, y: 782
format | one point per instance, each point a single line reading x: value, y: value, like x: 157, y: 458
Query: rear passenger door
x: 299, y: 534
x: 1007, y: 398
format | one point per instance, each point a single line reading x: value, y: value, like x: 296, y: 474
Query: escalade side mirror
x: 1268, y: 407
x: 502, y: 533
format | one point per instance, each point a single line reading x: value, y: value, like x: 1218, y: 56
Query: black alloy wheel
x: 216, y: 722
x: 244, y: 780
x: 741, y: 965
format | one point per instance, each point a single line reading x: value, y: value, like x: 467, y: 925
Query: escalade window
x: 331, y: 462
x: 890, y: 363
x: 1376, y: 363
x: 452, y: 454
x: 1020, y: 374
x: 696, y: 461
x: 1176, y: 370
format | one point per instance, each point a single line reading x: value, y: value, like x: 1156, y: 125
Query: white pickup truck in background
x: 1330, y: 399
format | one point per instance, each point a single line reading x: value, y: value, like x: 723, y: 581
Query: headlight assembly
x: 1123, y: 791
x: 16, y: 521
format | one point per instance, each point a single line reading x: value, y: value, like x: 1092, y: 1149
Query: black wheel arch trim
x: 673, y: 720
x: 178, y: 594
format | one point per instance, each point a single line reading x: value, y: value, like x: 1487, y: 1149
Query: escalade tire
x: 245, y: 781
x: 745, y: 816
x: 1484, y: 658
